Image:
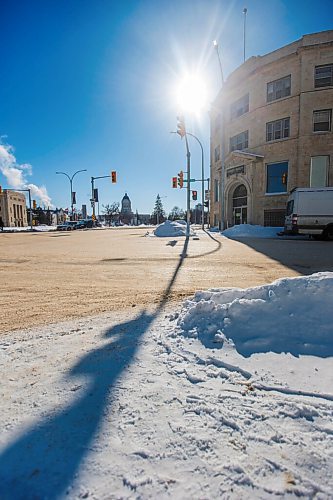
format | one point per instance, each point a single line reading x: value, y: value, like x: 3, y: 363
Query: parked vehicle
x: 310, y: 211
x: 81, y: 224
x: 67, y: 226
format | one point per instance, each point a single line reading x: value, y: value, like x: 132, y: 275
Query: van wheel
x: 328, y: 233
x: 317, y: 237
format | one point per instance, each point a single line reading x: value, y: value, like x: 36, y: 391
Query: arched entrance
x: 239, y: 205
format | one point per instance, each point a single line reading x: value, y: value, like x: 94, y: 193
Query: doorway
x: 239, y: 205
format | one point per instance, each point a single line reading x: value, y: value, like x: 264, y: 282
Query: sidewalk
x: 127, y: 407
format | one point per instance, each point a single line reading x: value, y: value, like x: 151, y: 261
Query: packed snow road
x: 49, y: 277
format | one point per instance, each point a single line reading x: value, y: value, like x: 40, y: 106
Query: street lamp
x: 71, y: 184
x: 216, y: 46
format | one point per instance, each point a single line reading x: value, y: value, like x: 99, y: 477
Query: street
x: 49, y: 277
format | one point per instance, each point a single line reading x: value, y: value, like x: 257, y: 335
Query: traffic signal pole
x: 188, y: 155
x: 202, y: 180
x: 93, y: 201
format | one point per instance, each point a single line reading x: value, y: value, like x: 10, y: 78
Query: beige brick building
x: 13, y: 209
x: 273, y: 118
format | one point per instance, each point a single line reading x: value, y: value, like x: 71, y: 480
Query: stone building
x: 13, y: 209
x: 126, y: 215
x: 271, y: 131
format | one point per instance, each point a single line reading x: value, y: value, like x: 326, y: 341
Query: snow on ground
x: 171, y: 229
x: 251, y: 231
x: 40, y: 228
x: 175, y: 403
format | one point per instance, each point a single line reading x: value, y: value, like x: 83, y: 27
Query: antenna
x: 244, y: 12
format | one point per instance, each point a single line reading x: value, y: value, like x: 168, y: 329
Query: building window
x: 279, y: 88
x: 323, y: 76
x: 277, y: 176
x: 279, y: 129
x: 319, y: 171
x: 240, y: 141
x: 322, y: 120
x: 240, y: 107
x: 216, y: 190
x: 217, y: 153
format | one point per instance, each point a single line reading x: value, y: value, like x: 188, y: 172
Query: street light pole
x: 71, y: 184
x: 222, y: 143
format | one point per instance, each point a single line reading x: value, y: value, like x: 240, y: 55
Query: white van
x: 310, y: 211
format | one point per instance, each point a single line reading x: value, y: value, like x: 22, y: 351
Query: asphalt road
x: 48, y: 277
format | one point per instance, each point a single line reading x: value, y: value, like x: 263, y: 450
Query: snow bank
x: 249, y: 231
x: 289, y: 315
x: 44, y: 227
x: 171, y: 229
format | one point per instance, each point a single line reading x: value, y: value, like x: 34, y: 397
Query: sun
x: 191, y: 94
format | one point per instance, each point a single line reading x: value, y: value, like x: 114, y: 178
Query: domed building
x: 126, y: 206
x: 126, y: 215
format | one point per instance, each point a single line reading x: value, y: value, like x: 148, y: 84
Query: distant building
x: 271, y: 131
x: 13, y: 210
x: 126, y: 216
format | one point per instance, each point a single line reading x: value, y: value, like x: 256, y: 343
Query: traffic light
x: 113, y: 176
x: 181, y: 130
x: 194, y: 195
x: 96, y: 195
x: 174, y: 182
x: 181, y: 179
x: 34, y: 204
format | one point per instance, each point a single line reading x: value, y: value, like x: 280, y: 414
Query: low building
x: 13, y: 210
x: 271, y: 131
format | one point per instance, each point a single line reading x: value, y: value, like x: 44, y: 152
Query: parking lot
x: 51, y: 276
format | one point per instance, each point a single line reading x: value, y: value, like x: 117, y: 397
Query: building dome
x: 126, y: 205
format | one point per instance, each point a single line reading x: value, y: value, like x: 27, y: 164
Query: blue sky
x: 88, y: 85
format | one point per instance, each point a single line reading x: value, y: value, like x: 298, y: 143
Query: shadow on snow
x: 44, y: 461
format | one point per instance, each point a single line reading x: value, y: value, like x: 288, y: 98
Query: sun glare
x: 191, y: 94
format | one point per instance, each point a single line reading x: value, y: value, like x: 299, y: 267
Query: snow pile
x: 44, y: 227
x: 249, y: 231
x: 290, y: 315
x: 171, y: 229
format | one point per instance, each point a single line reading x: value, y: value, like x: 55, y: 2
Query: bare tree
x: 111, y: 210
x: 176, y: 214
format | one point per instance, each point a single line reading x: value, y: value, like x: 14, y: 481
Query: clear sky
x: 89, y: 85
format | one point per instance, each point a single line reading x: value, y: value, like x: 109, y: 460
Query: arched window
x: 239, y: 198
